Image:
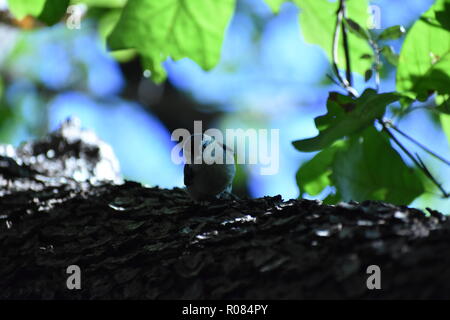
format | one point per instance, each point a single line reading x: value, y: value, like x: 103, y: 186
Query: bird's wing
x: 188, y: 175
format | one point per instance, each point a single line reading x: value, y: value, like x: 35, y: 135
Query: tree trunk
x: 135, y: 242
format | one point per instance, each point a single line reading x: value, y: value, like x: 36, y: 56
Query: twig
x: 391, y: 125
x: 376, y: 65
x: 427, y: 107
x: 345, y: 43
x: 329, y: 76
x: 335, y: 51
x: 428, y: 173
x: 419, y: 163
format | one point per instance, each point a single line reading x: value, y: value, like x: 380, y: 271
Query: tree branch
x: 345, y: 43
x: 377, y: 64
x: 391, y: 125
x: 419, y: 163
x: 347, y: 82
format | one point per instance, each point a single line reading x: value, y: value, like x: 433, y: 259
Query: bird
x: 205, y: 177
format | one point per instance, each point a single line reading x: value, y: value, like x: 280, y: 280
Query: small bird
x: 206, y: 180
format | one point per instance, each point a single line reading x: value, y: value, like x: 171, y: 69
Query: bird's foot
x: 228, y: 195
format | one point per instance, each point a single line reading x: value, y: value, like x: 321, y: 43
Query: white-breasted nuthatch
x: 209, y: 170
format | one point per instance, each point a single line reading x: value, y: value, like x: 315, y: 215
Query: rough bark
x: 135, y: 242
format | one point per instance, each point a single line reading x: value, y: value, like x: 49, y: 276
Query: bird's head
x: 197, y: 145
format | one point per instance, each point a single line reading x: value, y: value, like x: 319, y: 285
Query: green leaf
x: 151, y: 63
x: 332, y: 198
x: 359, y: 31
x: 53, y: 11
x: 21, y: 8
x: 424, y: 62
x: 102, y: 3
x: 392, y: 33
x: 106, y: 24
x: 390, y: 55
x: 47, y: 11
x: 445, y: 123
x: 1, y: 88
x: 444, y: 16
x: 368, y: 75
x: 337, y: 105
x: 313, y: 175
x: 443, y: 103
x: 176, y: 29
x: 317, y: 22
x: 370, y: 169
x: 337, y: 123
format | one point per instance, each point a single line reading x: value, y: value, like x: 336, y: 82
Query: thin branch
x: 377, y: 63
x: 430, y: 108
x: 345, y: 43
x: 391, y: 125
x: 419, y: 163
x: 425, y: 169
x: 335, y: 51
x: 329, y: 76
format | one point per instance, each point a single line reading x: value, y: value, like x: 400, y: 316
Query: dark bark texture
x: 68, y: 207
